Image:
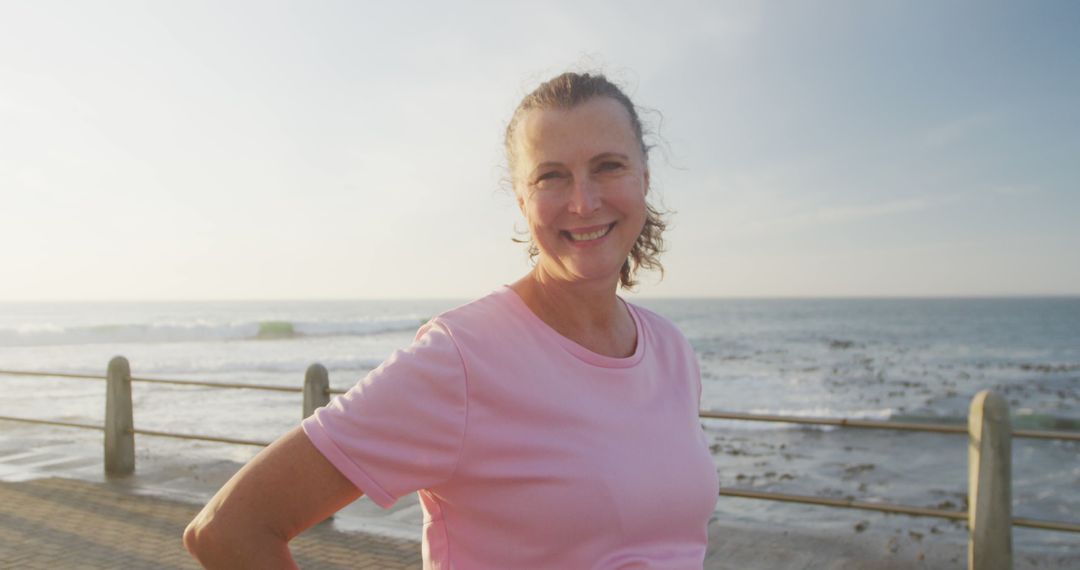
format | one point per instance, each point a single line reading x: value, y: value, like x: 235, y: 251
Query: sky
x: 333, y: 150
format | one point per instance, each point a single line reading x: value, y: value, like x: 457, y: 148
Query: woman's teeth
x: 594, y: 235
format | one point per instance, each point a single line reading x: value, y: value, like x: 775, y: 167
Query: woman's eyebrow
x: 609, y: 155
x: 598, y: 158
x: 545, y: 166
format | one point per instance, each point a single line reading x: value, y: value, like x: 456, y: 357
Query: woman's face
x: 580, y: 178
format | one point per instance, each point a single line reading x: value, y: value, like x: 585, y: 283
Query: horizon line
x: 826, y: 297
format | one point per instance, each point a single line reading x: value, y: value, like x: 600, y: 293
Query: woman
x: 546, y: 425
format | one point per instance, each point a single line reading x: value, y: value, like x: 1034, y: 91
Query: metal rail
x: 150, y: 432
x: 53, y: 374
x: 202, y: 437
x: 888, y: 508
x: 880, y: 424
x: 53, y: 423
x: 845, y: 503
x: 1046, y: 525
x: 166, y: 381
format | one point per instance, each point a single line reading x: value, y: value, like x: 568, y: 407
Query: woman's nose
x: 585, y: 197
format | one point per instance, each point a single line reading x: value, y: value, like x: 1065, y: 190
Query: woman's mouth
x: 588, y: 234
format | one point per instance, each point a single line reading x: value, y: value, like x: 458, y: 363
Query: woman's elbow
x: 208, y: 542
x: 235, y: 544
x: 197, y: 538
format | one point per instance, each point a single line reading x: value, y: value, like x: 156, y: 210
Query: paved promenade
x: 57, y: 523
x: 62, y: 523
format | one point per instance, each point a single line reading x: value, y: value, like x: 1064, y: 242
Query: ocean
x: 888, y: 359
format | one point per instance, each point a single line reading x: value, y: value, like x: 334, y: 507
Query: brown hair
x: 569, y: 90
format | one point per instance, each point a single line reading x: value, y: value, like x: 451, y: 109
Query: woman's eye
x: 609, y: 166
x: 548, y: 176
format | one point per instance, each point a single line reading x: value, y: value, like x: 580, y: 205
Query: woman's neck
x: 588, y: 313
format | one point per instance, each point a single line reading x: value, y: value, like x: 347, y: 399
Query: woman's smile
x: 585, y: 237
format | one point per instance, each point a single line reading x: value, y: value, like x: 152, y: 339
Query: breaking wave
x: 196, y: 331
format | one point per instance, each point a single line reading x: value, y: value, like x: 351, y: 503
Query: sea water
x: 918, y: 360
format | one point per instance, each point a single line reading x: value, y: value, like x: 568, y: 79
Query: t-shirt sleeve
x: 695, y: 371
x: 695, y: 386
x: 693, y: 365
x: 401, y: 428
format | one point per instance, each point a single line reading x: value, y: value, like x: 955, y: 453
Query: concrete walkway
x: 58, y: 523
x: 62, y: 523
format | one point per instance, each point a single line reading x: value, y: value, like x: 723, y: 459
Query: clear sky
x: 310, y: 150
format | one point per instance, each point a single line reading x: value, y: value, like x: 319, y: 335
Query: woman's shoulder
x: 489, y: 313
x: 491, y: 304
x: 654, y: 320
x: 660, y: 327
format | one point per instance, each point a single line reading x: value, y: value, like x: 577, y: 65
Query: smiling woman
x: 566, y: 93
x: 581, y: 181
x: 549, y: 424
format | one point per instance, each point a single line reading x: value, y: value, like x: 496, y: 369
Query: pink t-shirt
x: 528, y: 450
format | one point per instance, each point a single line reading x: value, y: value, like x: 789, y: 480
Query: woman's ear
x: 646, y: 180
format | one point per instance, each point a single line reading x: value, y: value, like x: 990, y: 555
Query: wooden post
x: 119, y: 426
x: 989, y: 483
x: 316, y: 388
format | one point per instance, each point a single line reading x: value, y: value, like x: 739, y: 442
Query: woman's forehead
x: 598, y: 125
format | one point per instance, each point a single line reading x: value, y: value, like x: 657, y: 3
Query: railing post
x: 316, y: 388
x: 989, y: 483
x: 119, y: 426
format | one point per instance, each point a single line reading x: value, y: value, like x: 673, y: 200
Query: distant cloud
x: 838, y: 214
x: 956, y: 130
x: 1015, y: 190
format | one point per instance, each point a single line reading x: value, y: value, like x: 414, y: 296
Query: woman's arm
x: 286, y: 488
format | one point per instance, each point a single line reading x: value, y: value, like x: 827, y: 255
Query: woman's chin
x: 591, y: 273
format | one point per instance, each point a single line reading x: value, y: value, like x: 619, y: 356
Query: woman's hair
x: 567, y: 91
